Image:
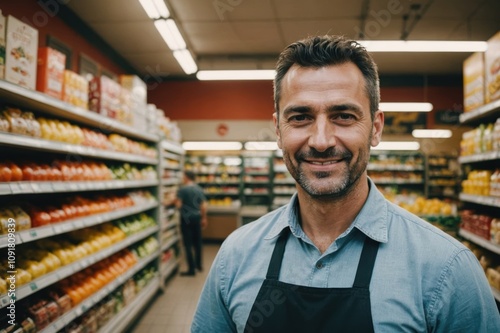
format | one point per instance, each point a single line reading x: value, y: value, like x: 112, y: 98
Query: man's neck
x: 324, y: 220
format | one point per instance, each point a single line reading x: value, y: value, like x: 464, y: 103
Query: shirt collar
x: 371, y: 219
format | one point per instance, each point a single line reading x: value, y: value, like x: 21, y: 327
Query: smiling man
x: 339, y: 257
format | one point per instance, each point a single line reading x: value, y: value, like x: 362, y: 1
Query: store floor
x: 173, y: 310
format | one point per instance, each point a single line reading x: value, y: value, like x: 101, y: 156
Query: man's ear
x: 378, y: 127
x: 276, y: 129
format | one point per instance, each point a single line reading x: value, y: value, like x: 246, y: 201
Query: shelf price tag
x: 4, y: 301
x: 33, y: 286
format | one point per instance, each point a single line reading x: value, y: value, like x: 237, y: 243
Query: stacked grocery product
x: 479, y: 156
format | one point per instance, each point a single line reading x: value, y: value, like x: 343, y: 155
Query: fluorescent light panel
x: 170, y: 34
x: 431, y: 133
x: 186, y: 61
x: 261, y: 145
x: 406, y: 107
x: 423, y: 46
x: 155, y: 9
x: 236, y: 75
x: 209, y: 145
x: 397, y: 145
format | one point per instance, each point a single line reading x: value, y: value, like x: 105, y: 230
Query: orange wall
x: 42, y: 15
x: 239, y: 100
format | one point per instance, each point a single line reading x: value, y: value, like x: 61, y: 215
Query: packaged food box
x: 492, y: 70
x: 21, y: 53
x: 75, y: 89
x: 136, y: 86
x: 473, y: 76
x: 50, y: 72
x: 2, y: 45
x: 104, y: 96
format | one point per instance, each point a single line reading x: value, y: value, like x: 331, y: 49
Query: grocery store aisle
x: 173, y: 310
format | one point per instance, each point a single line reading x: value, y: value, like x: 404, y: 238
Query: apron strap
x: 366, y: 263
x: 273, y: 271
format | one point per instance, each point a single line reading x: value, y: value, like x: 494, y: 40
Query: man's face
x: 325, y: 129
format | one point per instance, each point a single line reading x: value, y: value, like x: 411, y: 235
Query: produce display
x: 489, y: 262
x: 76, y: 206
x: 480, y: 224
x: 75, y: 89
x: 146, y: 247
x: 15, y: 121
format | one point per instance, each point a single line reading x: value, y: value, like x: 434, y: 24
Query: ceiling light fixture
x: 397, y: 145
x: 170, y: 34
x: 423, y: 46
x: 261, y: 145
x: 155, y: 9
x: 432, y: 133
x: 185, y: 59
x: 405, y: 107
x: 236, y: 74
x: 209, y: 145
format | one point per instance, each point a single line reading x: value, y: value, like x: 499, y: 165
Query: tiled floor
x: 173, y: 310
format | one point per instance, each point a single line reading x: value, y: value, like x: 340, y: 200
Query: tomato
x: 17, y: 173
x: 40, y: 218
x: 5, y: 173
x: 57, y: 174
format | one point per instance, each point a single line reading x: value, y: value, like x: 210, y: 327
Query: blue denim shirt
x: 423, y: 280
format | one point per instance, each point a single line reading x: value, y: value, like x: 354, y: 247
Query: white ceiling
x: 248, y: 34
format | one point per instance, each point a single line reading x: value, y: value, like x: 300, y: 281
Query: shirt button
x: 319, y: 265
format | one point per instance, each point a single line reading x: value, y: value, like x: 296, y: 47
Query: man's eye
x: 299, y: 117
x: 345, y: 116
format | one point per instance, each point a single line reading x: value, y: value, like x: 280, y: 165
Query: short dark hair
x: 321, y: 51
x: 190, y: 175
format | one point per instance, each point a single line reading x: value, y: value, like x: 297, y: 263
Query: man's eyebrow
x: 345, y: 107
x: 296, y: 108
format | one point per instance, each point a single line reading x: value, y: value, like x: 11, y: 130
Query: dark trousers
x: 191, y: 235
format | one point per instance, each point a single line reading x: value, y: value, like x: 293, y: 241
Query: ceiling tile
x: 316, y: 9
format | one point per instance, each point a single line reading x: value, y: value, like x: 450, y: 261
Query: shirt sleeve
x: 212, y: 314
x: 463, y: 300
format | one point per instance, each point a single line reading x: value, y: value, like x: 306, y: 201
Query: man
x: 193, y: 206
x: 339, y: 257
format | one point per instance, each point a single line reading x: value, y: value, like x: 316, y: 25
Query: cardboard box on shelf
x: 136, y: 86
x: 21, y: 53
x: 50, y: 73
x: 492, y: 69
x: 473, y: 71
x: 75, y: 89
x: 104, y: 96
x: 2, y: 45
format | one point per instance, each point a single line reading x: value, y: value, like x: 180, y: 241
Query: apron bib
x: 284, y: 307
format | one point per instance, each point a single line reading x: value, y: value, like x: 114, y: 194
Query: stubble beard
x: 324, y: 185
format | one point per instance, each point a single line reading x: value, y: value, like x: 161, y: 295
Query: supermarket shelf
x: 38, y: 101
x: 171, y: 166
x: 172, y: 147
x: 125, y: 317
x: 29, y: 187
x: 170, y: 243
x: 169, y: 225
x: 169, y: 268
x: 222, y: 193
x: 223, y: 209
x: 480, y: 199
x: 89, y: 302
x: 253, y: 211
x: 255, y: 182
x: 484, y: 111
x: 496, y: 293
x: 479, y: 241
x: 284, y: 182
x: 65, y: 271
x: 257, y: 173
x: 172, y: 156
x: 257, y: 194
x: 284, y: 192
x: 398, y: 182
x: 230, y: 173
x: 32, y: 234
x: 218, y: 183
x: 22, y: 141
x: 375, y: 167
x: 489, y: 156
x: 280, y: 168
x: 170, y: 182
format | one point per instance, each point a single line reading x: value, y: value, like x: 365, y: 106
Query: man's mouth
x: 323, y: 162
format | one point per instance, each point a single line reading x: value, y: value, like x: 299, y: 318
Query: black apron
x: 284, y: 307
